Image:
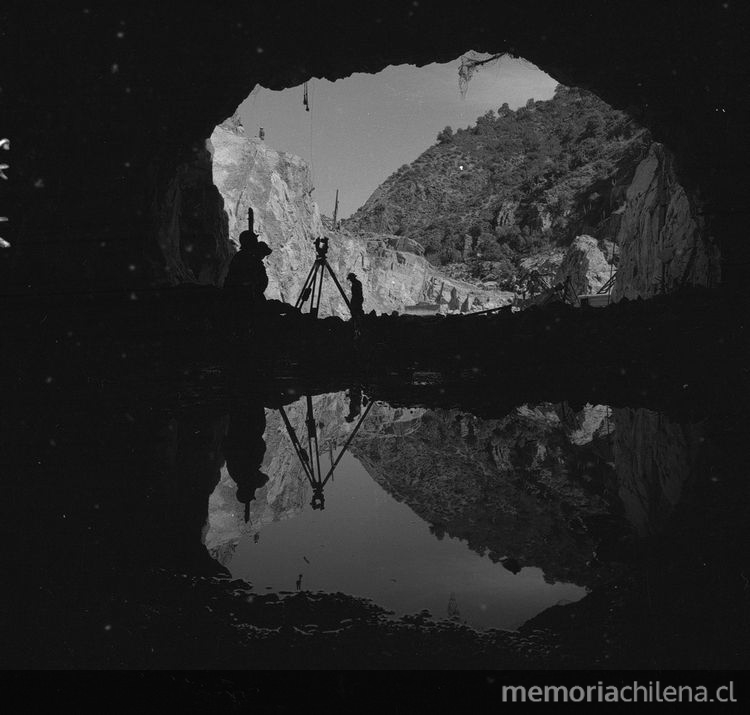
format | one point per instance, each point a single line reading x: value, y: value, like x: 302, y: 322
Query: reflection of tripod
x: 313, y: 287
x: 310, y: 458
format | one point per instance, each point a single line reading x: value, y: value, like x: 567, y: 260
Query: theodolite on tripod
x: 313, y: 287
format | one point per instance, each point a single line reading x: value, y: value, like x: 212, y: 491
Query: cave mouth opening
x: 478, y: 185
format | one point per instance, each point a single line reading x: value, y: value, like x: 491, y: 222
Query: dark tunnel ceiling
x: 134, y: 90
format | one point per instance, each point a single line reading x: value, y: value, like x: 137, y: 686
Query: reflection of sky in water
x: 367, y: 544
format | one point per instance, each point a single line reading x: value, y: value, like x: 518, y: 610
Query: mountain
x: 513, y: 184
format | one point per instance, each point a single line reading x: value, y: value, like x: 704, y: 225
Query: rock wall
x: 661, y: 233
x: 395, y: 278
x: 193, y: 231
x: 249, y: 173
x: 585, y: 265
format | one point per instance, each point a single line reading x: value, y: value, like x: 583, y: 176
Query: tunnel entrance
x: 480, y: 215
x: 603, y: 447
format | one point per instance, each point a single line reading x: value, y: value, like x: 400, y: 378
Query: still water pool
x: 367, y: 543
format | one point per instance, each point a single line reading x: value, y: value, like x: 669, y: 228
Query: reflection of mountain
x: 517, y: 487
x: 532, y: 489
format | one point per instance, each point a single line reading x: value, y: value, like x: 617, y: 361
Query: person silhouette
x: 259, y: 281
x: 244, y: 449
x: 242, y: 267
x: 357, y: 299
x: 247, y: 279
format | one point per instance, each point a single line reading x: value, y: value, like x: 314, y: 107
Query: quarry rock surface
x: 661, y: 237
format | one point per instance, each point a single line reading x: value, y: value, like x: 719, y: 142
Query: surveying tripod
x: 313, y: 287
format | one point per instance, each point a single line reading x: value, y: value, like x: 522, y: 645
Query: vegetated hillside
x: 514, y: 184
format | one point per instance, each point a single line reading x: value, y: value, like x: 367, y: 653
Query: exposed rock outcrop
x: 193, y: 229
x: 544, y: 262
x: 585, y: 266
x: 249, y: 173
x: 661, y: 236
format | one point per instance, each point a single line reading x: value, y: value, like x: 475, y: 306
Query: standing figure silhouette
x: 357, y: 300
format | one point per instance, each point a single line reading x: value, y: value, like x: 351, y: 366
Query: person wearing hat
x: 244, y: 449
x: 260, y: 276
x: 247, y: 279
x: 242, y: 268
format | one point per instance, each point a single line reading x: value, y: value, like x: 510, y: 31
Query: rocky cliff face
x: 393, y: 279
x: 248, y: 173
x: 661, y: 237
x: 585, y: 265
x: 193, y: 232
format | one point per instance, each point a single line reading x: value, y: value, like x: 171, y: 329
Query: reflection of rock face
x: 514, y: 487
x: 248, y: 173
x: 660, y: 227
x: 654, y: 459
x: 594, y: 422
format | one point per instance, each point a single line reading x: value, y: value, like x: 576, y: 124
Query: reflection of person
x: 244, y: 449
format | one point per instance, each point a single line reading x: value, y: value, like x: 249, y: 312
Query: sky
x: 361, y: 129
